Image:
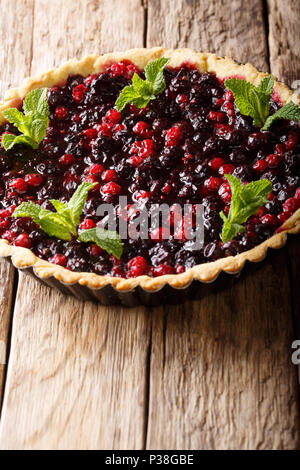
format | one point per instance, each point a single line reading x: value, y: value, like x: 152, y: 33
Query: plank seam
x: 9, y: 336
x: 147, y: 386
x: 265, y: 16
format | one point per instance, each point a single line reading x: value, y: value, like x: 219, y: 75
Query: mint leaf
x: 36, y: 102
x: 142, y: 91
x: 241, y: 91
x: 245, y: 201
x: 230, y: 230
x: 255, y: 101
x: 77, y: 201
x: 266, y: 86
x: 63, y: 223
x: 55, y: 225
x: 154, y: 74
x: 106, y: 239
x: 33, y: 124
x: 28, y: 209
x: 289, y: 111
x: 9, y: 140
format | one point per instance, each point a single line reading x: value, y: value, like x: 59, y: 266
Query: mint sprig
x: 141, y: 92
x: 106, y: 239
x: 289, y: 111
x: 255, y: 101
x: 63, y: 223
x: 245, y: 201
x: 32, y: 123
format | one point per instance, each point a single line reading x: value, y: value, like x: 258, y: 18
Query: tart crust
x: 206, y: 272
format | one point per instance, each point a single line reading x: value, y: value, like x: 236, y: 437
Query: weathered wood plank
x: 79, y: 367
x: 284, y: 38
x: 221, y: 373
x: 6, y: 297
x: 214, y: 26
x: 80, y: 370
x: 17, y: 48
x: 284, y: 33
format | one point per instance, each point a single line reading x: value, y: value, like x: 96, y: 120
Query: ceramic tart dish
x: 176, y: 149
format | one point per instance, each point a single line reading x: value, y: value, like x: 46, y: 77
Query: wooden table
x: 215, y: 373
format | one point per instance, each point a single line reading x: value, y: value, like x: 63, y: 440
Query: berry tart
x: 158, y: 126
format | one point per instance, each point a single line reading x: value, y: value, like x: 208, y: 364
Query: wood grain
x: 221, y: 373
x: 77, y: 371
x: 216, y: 26
x: 220, y: 369
x: 284, y: 21
x: 17, y: 48
x: 284, y: 33
x: 6, y: 297
x: 77, y: 374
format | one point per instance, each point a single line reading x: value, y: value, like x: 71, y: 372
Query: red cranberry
x: 173, y: 136
x: 79, y: 92
x: 109, y: 175
x: 23, y: 240
x: 182, y: 99
x: 140, y: 194
x: 61, y: 112
x: 215, y: 163
x: 212, y: 183
x: 166, y: 188
x: 260, y: 166
x: 9, y: 235
x: 291, y: 142
x: 273, y: 160
x: 118, y: 69
x: 141, y: 128
x: 138, y: 266
x: 106, y: 129
x: 67, y: 159
x: 4, y: 224
x: 59, y: 259
x: 113, y: 116
x: 95, y: 250
x: 226, y: 169
x: 228, y: 95
x: 87, y: 224
x: 19, y: 185
x: 96, y: 169
x: 225, y: 192
x: 283, y: 216
x: 90, y: 133
x: 297, y: 194
x: 111, y: 188
x: 291, y: 205
x: 179, y: 269
x: 217, y: 116
x: 163, y: 269
x: 34, y: 179
x: 269, y: 219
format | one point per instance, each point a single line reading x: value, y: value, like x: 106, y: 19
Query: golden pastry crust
x: 206, y: 272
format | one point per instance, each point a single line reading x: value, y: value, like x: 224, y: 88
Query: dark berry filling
x: 175, y: 151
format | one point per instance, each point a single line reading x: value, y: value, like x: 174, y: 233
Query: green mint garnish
x: 63, y: 223
x: 245, y: 201
x: 289, y: 111
x: 255, y: 101
x: 106, y: 239
x: 32, y: 123
x: 142, y: 91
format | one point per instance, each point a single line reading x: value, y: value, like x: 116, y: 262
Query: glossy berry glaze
x: 174, y: 151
